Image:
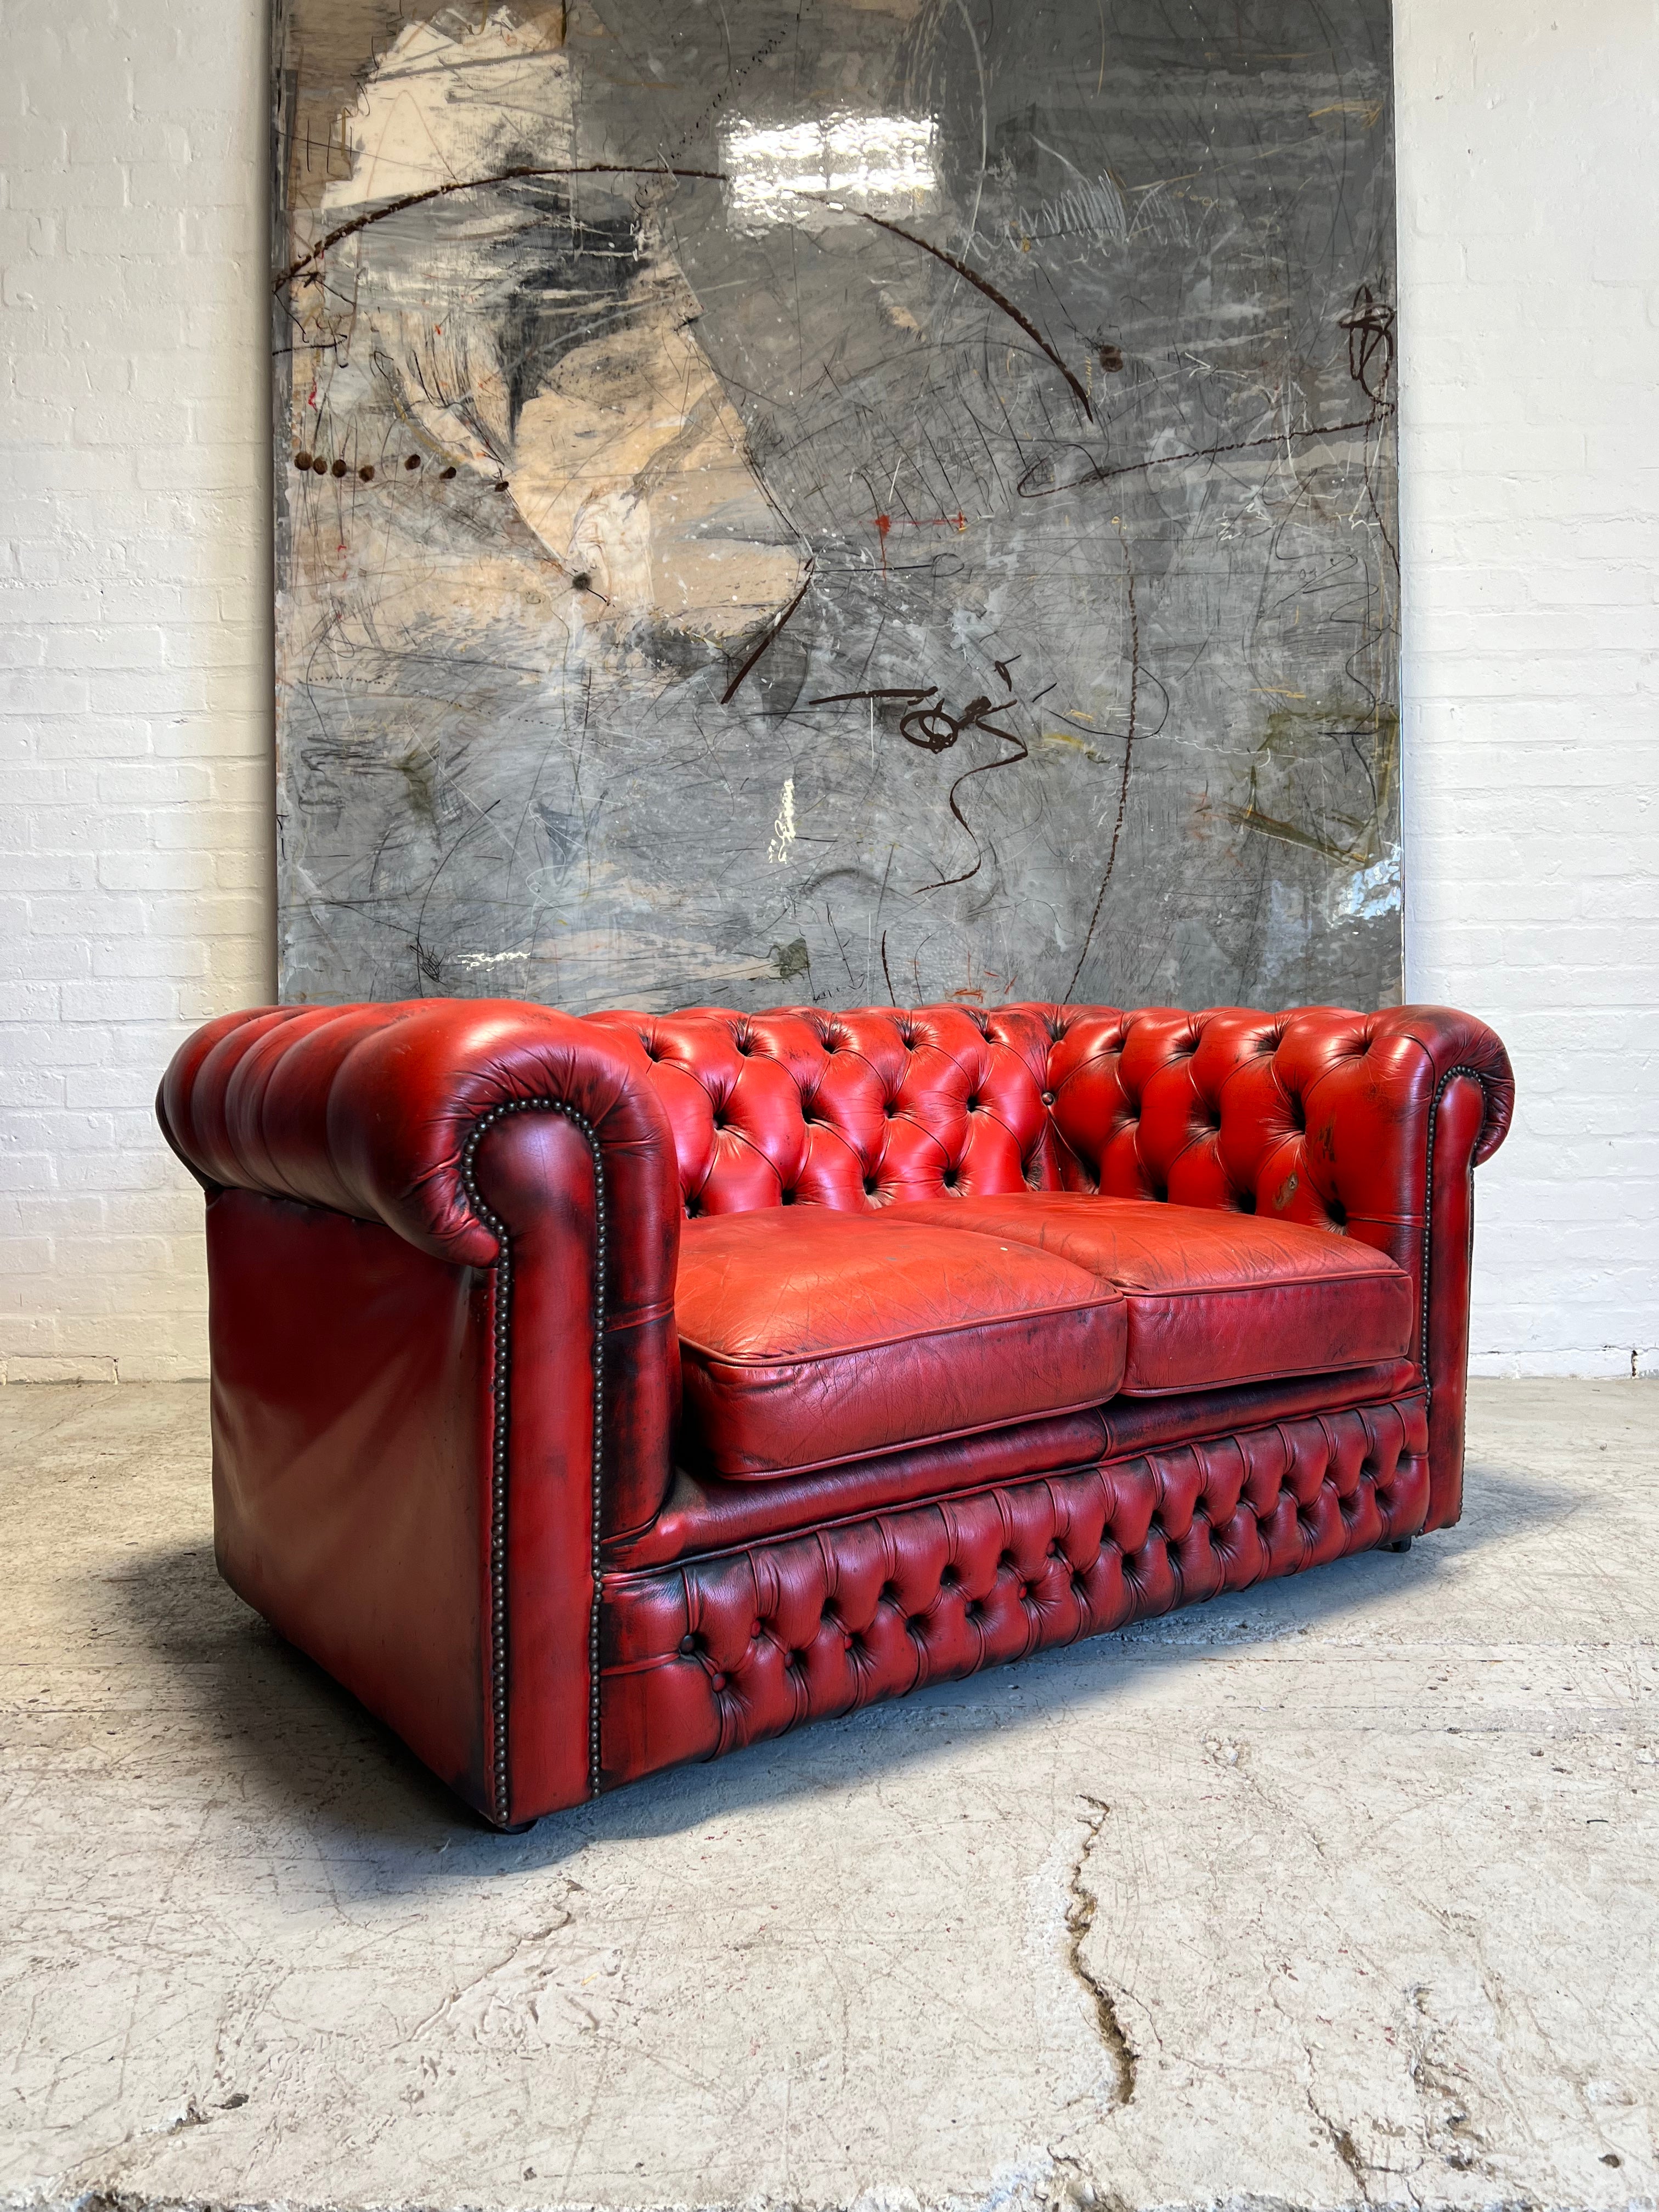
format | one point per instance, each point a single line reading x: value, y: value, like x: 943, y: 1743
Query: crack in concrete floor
x: 1373, y: 1916
x: 1079, y: 1918
x: 1342, y: 2142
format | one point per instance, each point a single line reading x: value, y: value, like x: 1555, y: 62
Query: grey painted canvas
x: 836, y: 499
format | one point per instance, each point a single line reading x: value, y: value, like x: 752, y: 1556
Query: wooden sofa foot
x: 1399, y: 1544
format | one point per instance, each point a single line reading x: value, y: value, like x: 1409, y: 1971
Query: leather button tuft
x: 687, y: 1646
x: 1048, y: 1097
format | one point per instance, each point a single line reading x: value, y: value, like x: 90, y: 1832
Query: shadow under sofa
x: 595, y: 1394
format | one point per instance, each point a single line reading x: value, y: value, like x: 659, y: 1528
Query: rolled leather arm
x: 416, y: 1450
x: 1455, y: 1041
x: 372, y: 1110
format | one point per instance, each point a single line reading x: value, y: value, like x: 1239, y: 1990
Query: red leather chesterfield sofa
x: 593, y: 1395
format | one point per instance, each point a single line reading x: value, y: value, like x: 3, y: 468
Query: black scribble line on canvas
x: 975, y: 718
x: 1128, y: 755
x: 887, y: 972
x: 935, y: 730
x: 889, y: 691
x: 1370, y: 326
x: 881, y: 900
x: 1100, y: 474
x: 980, y: 284
x: 477, y: 185
x: 768, y: 636
x: 428, y: 964
x: 840, y: 944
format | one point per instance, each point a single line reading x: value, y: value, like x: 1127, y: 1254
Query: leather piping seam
x: 1101, y: 1297
x: 771, y: 1540
x: 760, y: 1476
x: 501, y: 1382
x: 1440, y: 1089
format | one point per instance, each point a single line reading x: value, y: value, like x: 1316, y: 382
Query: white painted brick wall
x: 135, y: 676
x: 135, y: 663
x: 1529, y: 315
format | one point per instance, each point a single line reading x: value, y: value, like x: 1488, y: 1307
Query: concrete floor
x: 1346, y: 1891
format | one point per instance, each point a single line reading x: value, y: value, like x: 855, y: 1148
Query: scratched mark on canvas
x: 836, y: 499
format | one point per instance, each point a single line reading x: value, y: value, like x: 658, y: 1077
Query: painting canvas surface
x: 836, y: 499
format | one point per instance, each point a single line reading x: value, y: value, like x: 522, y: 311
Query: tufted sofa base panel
x: 728, y: 1648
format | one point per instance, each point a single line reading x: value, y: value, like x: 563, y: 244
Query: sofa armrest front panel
x: 379, y: 1112
x: 474, y: 1207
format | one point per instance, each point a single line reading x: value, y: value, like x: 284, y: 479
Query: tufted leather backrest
x: 1319, y: 1116
x: 850, y: 1111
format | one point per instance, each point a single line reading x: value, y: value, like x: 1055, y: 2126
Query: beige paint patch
x: 441, y: 108
x: 630, y: 467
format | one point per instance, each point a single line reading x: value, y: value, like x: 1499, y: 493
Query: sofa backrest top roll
x: 1320, y: 1115
x: 1227, y: 1108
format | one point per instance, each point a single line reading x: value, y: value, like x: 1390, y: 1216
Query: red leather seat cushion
x: 809, y: 1337
x: 1214, y: 1297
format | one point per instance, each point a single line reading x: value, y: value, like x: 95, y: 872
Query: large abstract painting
x: 835, y: 500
